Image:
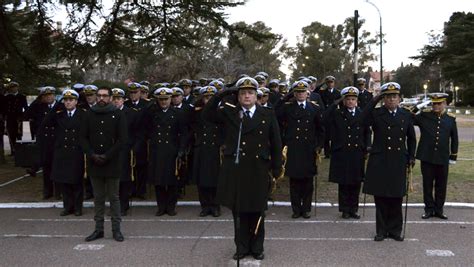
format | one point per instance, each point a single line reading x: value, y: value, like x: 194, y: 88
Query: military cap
x: 259, y: 92
x: 300, y: 86
x: 360, y: 81
x: 163, y: 92
x: 438, y: 97
x: 117, y: 92
x: 90, y: 89
x: 133, y: 86
x: 259, y: 78
x: 196, y: 90
x: 329, y: 78
x: 165, y: 84
x: 69, y: 94
x: 273, y: 82
x: 47, y: 90
x: 78, y: 86
x: 283, y: 87
x: 177, y: 91
x: 264, y: 74
x: 147, y: 83
x: 350, y: 91
x: 221, y: 79
x: 145, y: 88
x: 208, y: 90
x: 390, y: 88
x: 306, y: 80
x: 13, y: 84
x: 302, y: 78
x: 195, y: 82
x: 313, y: 79
x: 264, y: 90
x: 217, y: 84
x: 185, y: 82
x: 247, y: 83
x: 203, y: 81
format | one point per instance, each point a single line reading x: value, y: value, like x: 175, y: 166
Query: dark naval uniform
x: 140, y: 149
x: 186, y: 171
x: 166, y: 135
x: 438, y: 144
x: 104, y: 134
x: 89, y: 191
x: 68, y: 158
x: 207, y: 141
x: 15, y: 105
x: 128, y: 159
x: 45, y: 139
x: 349, y: 143
x: 328, y: 95
x: 392, y: 151
x: 364, y: 98
x: 303, y: 135
x: 244, y: 186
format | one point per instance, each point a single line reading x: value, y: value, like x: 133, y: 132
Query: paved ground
x: 39, y: 237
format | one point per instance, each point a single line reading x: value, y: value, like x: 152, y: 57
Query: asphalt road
x: 40, y: 237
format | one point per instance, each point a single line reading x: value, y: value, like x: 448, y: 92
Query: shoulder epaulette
x: 148, y: 100
x: 287, y: 103
x: 191, y: 105
x: 450, y: 114
x: 230, y: 105
x: 197, y: 108
x: 59, y: 111
x: 84, y: 109
x: 135, y: 109
x: 314, y: 102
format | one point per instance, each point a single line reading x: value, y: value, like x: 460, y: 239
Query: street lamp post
x: 425, y: 87
x: 381, y: 41
x: 456, y: 90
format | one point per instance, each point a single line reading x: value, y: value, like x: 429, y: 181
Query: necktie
x: 302, y: 106
x: 352, y: 113
x: 247, y: 114
x: 69, y: 113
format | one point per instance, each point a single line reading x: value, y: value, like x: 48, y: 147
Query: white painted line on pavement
x: 90, y: 204
x: 17, y: 179
x: 88, y: 247
x: 216, y: 237
x: 439, y: 253
x: 230, y: 220
x: 245, y: 262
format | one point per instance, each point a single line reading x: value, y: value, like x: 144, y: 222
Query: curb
x: 90, y: 204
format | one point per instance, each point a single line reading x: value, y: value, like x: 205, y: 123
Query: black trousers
x: 140, y: 181
x: 125, y: 189
x: 301, y: 194
x: 50, y: 188
x: 88, y: 187
x: 348, y: 195
x: 207, y: 198
x: 244, y: 238
x: 13, y: 132
x: 73, y: 196
x: 166, y: 197
x: 388, y: 215
x: 437, y: 176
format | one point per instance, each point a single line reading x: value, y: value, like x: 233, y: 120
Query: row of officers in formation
x: 229, y: 140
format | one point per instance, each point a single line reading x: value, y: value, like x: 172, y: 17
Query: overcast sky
x: 405, y: 22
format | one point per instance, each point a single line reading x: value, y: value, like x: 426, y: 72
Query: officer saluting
x: 349, y: 142
x: 393, y: 151
x: 304, y: 136
x: 68, y: 158
x: 244, y: 180
x: 438, y: 147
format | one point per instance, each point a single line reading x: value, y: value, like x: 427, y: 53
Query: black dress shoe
x: 379, y: 238
x: 160, y: 213
x: 395, y: 237
x: 31, y: 172
x: 216, y: 213
x: 295, y: 215
x: 65, y: 213
x: 427, y: 215
x: 354, y: 215
x: 78, y: 213
x: 94, y: 236
x: 117, y: 236
x: 238, y: 256
x: 203, y: 213
x: 172, y: 213
x: 441, y: 216
x: 306, y: 215
x: 346, y: 215
x: 258, y: 256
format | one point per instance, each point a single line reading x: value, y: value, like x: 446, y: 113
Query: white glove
x: 423, y: 104
x: 452, y: 162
